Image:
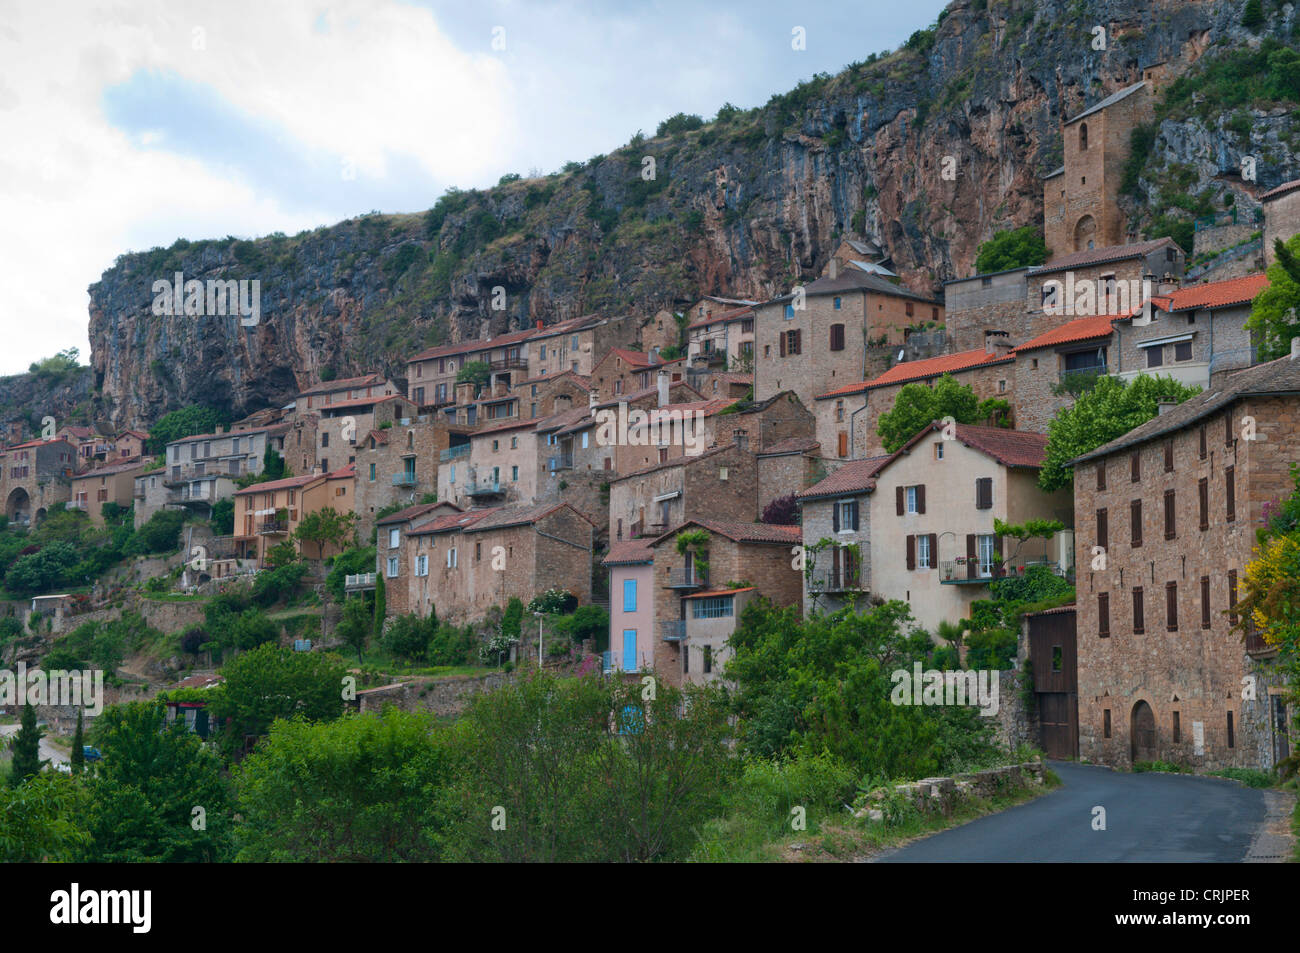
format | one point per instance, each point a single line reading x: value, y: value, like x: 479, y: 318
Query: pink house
x: 631, y: 606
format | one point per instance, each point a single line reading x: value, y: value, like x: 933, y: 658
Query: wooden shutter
x: 934, y: 550
x: 1232, y: 596
x: 911, y: 552
x: 1135, y: 466
x: 972, y: 565
x: 1171, y: 606
x: 1230, y: 492
x: 1203, y: 501
x: 1101, y: 475
x: 781, y: 342
x: 1169, y: 456
x: 920, y: 498
x: 837, y: 337
x: 1205, y: 602
x: 1135, y: 522
x: 1171, y: 529
x: 898, y: 500
x: 835, y: 516
x: 1103, y: 528
x: 855, y: 514
x: 1202, y: 447
x: 1138, y: 620
x: 798, y: 341
x: 1103, y: 614
x: 844, y: 443
x: 984, y: 493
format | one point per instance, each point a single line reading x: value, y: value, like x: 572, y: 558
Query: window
x: 1083, y: 137
x: 938, y: 450
x: 1155, y: 356
x: 392, y: 566
x: 985, y: 546
x: 629, y: 595
x: 1105, y: 723
x: 325, y: 440
x: 713, y: 607
x: 422, y: 565
x: 372, y: 473
x: 837, y: 303
x: 451, y: 473
x: 1171, y: 606
x: 1230, y: 492
x: 708, y: 658
x: 1202, y: 448
x: 1183, y: 351
x: 908, y: 307
x: 394, y: 538
x: 844, y: 443
x: 1101, y: 475
x: 1227, y: 431
x: 790, y: 342
x: 478, y: 552
x: 912, y: 498
x: 1138, y: 621
x: 1135, y: 465
x: 1169, y: 456
x: 1170, y: 511
x: 1103, y: 615
x: 686, y: 659
x: 984, y: 493
x: 1232, y: 596
x: 1203, y: 502
x: 845, y: 516
x: 923, y: 551
x: 789, y: 311
x: 514, y: 474
x: 1057, y: 658
x: 1103, y: 528
x: 839, y: 411
x: 1205, y: 602
x: 1178, y: 729
x: 1232, y: 738
x: 1135, y: 522
x: 837, y: 336
x: 451, y: 558
x: 496, y: 445
x: 514, y: 443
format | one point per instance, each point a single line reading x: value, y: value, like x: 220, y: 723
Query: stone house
x: 1193, y: 333
x: 574, y: 466
x: 109, y: 484
x: 1075, y: 350
x: 501, y: 466
x: 816, y: 342
x: 656, y: 333
x: 1281, y: 216
x: 574, y: 346
x: 129, y: 444
x: 932, y: 517
x: 345, y: 422
x: 34, y: 476
x: 989, y: 302
x: 463, y: 564
x: 431, y: 374
x: 630, y: 565
x: 149, y: 494
x: 709, y: 305
x: 202, y: 469
x: 788, y: 466
x: 695, y: 611
x: 721, y: 483
x: 397, y: 464
x: 390, y: 540
x: 621, y: 373
x: 847, y: 416
x: 327, y: 393
x: 835, y: 520
x: 1166, y: 518
x: 725, y: 340
x: 267, y: 514
x: 544, y: 396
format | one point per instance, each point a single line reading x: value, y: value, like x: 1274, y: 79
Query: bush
x: 453, y: 645
x: 554, y: 601
x: 1011, y: 248
x: 407, y: 637
x: 783, y: 511
x: 681, y: 122
x: 161, y: 534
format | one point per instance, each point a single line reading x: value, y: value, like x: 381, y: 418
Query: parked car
x: 91, y: 754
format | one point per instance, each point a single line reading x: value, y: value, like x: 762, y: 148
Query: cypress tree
x: 78, y: 752
x: 381, y: 605
x: 26, y: 747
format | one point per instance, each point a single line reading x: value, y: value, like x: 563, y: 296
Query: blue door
x: 629, y: 650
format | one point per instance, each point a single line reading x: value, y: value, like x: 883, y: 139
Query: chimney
x: 1168, y: 284
x: 994, y: 340
x: 1165, y: 404
x: 539, y: 324
x: 221, y: 428
x: 1295, y: 348
x: 662, y: 381
x: 835, y: 268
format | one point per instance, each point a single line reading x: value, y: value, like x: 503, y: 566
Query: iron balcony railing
x: 404, y: 479
x: 836, y: 580
x: 686, y: 579
x: 453, y: 453
x: 1082, y: 373
x: 563, y: 461
x: 672, y: 630
x: 484, y: 488
x: 273, y: 527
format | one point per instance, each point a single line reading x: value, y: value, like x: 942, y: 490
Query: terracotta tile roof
x: 411, y: 512
x: 82, y: 433
x: 288, y: 483
x: 1280, y: 377
x: 1280, y: 190
x: 40, y: 443
x: 135, y: 463
x: 856, y: 476
x: 348, y: 472
x: 1217, y: 294
x: 1080, y: 329
x: 451, y: 522
x: 1011, y: 448
x: 325, y: 387
x: 644, y: 392
x: 198, y: 681
x: 719, y: 592
x: 1099, y: 256
x: 629, y: 553
x: 791, y: 445
x: 738, y: 532
x: 635, y: 358
x: 683, y: 460
x: 920, y: 370
x: 1056, y: 610
x: 725, y: 317
x: 466, y: 347
x: 518, y: 514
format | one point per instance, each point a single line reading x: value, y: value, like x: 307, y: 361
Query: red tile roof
x: 725, y: 317
x: 518, y: 514
x: 856, y: 476
x: 764, y: 533
x: 1217, y: 294
x: 466, y: 347
x: 1280, y: 190
x: 1011, y: 448
x: 719, y: 592
x: 347, y: 383
x: 629, y: 552
x: 40, y: 443
x: 1080, y: 329
x: 920, y: 370
x: 451, y: 522
x: 270, y: 486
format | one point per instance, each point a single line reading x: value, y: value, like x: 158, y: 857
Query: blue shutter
x: 629, y: 595
x: 629, y: 650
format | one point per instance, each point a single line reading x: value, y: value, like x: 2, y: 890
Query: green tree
x: 917, y: 406
x: 680, y: 122
x: 360, y: 559
x: 1011, y: 248
x: 381, y: 605
x: 270, y: 682
x: 69, y: 359
x: 223, y: 517
x: 1273, y: 317
x: 1110, y: 410
x: 26, y: 748
x: 78, y: 758
x: 407, y: 637
x: 42, y: 820
x: 368, y: 788
x: 1252, y: 15
x: 186, y: 422
x: 273, y: 467
x: 324, y: 527
x: 356, y: 624
x: 475, y: 372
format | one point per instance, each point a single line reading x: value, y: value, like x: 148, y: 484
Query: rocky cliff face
x: 746, y: 205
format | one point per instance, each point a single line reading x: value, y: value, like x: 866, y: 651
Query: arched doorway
x: 1085, y: 230
x: 1142, y: 731
x: 18, y: 507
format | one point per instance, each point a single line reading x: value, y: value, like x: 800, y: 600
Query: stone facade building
x: 110, y: 484
x: 989, y: 302
x: 631, y: 606
x: 1281, y: 216
x: 34, y: 476
x: 1046, y: 364
x: 390, y: 539
x: 838, y: 509
x: 1173, y: 506
x: 720, y: 483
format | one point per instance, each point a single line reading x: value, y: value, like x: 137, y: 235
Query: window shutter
x: 1103, y: 614
x: 1101, y: 475
x: 984, y: 493
x: 898, y: 500
x: 1135, y: 464
x: 1170, y: 510
x: 1202, y: 447
x: 835, y: 516
x: 934, y: 550
x: 1169, y: 456
x: 1135, y: 522
x: 920, y: 498
x: 1103, y: 528
x: 1203, y: 501
x: 1230, y: 492
x: 1138, y: 621
x: 971, y: 559
x: 844, y: 444
x: 911, y: 552
x: 855, y: 514
x: 781, y: 338
x: 1232, y: 596
x: 1171, y: 606
x: 1205, y: 602
x: 798, y: 341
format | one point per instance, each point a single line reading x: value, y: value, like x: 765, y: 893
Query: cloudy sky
x: 125, y: 125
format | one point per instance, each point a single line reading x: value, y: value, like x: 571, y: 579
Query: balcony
x: 1255, y: 644
x: 273, y: 527
x: 836, y: 580
x: 673, y: 630
x: 563, y: 461
x: 404, y: 479
x: 509, y: 364
x: 484, y: 488
x: 356, y: 582
x: 203, y: 495
x: 77, y: 505
x: 453, y: 453
x: 1080, y: 378
x: 685, y: 579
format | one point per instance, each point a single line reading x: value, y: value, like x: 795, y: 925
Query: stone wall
x: 1220, y: 237
x: 445, y: 697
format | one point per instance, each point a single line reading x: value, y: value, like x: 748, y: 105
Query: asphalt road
x: 1157, y: 818
x: 47, y: 751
